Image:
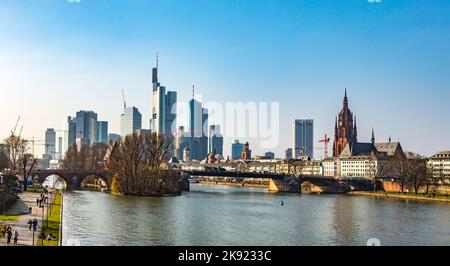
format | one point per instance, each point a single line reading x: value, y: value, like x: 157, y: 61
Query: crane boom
x: 325, y: 142
x: 15, y: 127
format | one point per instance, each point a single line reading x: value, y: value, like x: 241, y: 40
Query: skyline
x: 394, y: 68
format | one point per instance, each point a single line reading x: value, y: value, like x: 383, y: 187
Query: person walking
x: 9, y: 235
x: 3, y: 230
x: 16, y: 237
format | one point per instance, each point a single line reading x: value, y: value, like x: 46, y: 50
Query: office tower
x: 203, y: 149
x: 86, y: 126
x: 215, y: 140
x: 170, y: 113
x: 187, y: 155
x: 198, y: 126
x: 162, y: 117
x: 236, y: 150
x: 113, y: 137
x: 102, y: 132
x: 246, y: 152
x: 69, y: 129
x: 60, y: 148
x: 269, y: 155
x: 345, y: 131
x: 302, y: 138
x: 182, y: 141
x: 288, y: 153
x: 130, y: 121
x: 50, y: 143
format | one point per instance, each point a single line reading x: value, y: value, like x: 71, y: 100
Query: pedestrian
x: 16, y: 237
x: 3, y: 230
x: 37, y: 202
x: 9, y: 233
x: 30, y: 210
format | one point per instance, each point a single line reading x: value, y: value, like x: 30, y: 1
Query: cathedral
x: 345, y: 129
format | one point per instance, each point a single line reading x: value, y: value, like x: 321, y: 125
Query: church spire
x: 373, y: 137
x: 345, y: 98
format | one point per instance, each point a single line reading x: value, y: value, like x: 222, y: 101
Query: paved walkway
x: 20, y: 207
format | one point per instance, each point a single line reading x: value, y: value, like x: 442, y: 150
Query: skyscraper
x: 198, y: 126
x: 215, y: 140
x: 102, y: 132
x: 130, y: 121
x: 302, y: 138
x: 345, y: 129
x: 86, y: 126
x: 50, y: 143
x: 60, y: 148
x: 163, y: 104
x: 69, y: 129
x: 236, y: 150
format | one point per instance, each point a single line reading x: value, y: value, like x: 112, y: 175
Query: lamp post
x: 4, y: 193
x: 42, y: 223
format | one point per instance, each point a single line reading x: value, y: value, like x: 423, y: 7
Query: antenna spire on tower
x: 193, y: 91
x: 157, y: 59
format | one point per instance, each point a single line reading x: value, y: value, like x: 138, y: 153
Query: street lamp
x: 4, y: 194
x: 42, y: 223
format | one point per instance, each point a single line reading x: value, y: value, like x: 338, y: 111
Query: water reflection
x: 211, y: 215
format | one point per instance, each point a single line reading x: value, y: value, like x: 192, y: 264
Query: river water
x: 218, y: 215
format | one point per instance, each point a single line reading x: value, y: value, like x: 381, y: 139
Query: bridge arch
x: 73, y: 179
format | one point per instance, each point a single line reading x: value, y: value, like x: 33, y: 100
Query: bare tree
x: 416, y: 172
x: 16, y: 146
x: 138, y: 165
x: 26, y: 163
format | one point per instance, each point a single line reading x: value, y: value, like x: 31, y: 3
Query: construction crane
x: 325, y: 142
x: 123, y: 98
x: 15, y: 127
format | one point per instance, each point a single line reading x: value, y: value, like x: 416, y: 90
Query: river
x: 219, y: 215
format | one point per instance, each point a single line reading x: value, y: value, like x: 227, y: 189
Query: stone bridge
x: 282, y: 182
x: 72, y: 178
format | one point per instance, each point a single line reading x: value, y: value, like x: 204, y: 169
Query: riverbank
x: 399, y: 196
x: 52, y: 225
x: 232, y: 184
x: 18, y: 215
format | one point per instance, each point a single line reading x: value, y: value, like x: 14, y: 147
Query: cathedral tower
x: 345, y: 128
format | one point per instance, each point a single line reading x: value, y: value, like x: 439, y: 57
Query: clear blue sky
x: 58, y: 57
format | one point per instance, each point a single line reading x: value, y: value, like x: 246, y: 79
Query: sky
x: 393, y: 56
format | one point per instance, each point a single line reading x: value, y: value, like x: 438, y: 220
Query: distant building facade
x: 438, y: 166
x: 50, y: 144
x: 288, y: 154
x: 302, y: 138
x: 70, y: 133
x: 236, y: 150
x: 246, y: 152
x: 113, y: 137
x: 130, y: 121
x: 215, y: 140
x: 102, y: 132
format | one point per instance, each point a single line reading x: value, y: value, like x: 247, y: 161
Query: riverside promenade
x: 400, y: 196
x: 19, y: 210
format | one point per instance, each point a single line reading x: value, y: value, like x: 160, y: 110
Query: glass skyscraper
x: 302, y: 138
x: 130, y: 121
x: 102, y: 132
x: 50, y: 143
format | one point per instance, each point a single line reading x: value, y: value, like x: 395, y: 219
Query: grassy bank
x: 9, y: 218
x: 412, y: 196
x: 54, y: 223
